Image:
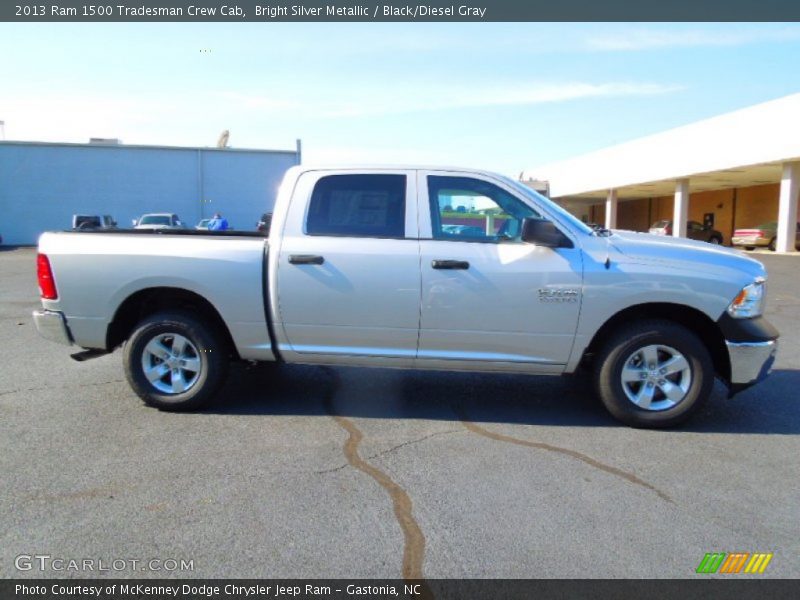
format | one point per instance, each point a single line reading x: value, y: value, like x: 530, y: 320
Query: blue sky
x: 506, y: 97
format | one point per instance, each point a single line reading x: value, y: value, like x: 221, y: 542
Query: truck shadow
x: 296, y: 390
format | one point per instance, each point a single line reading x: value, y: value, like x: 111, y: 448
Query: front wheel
x: 654, y: 374
x: 175, y: 363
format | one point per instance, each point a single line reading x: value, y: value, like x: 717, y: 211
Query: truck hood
x: 682, y: 253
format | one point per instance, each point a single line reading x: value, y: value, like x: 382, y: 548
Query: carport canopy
x: 748, y: 147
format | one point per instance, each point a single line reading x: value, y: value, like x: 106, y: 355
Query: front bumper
x: 52, y: 326
x: 752, y: 345
x: 750, y: 361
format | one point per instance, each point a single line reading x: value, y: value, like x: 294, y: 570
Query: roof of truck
x: 380, y: 167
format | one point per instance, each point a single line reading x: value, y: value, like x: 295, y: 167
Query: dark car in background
x: 264, y: 223
x: 694, y: 231
x: 87, y: 222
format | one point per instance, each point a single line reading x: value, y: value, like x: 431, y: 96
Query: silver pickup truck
x: 418, y: 268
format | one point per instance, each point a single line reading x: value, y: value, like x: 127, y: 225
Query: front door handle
x: 306, y: 259
x: 450, y: 264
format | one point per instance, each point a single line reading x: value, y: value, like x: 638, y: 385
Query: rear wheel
x: 772, y: 244
x: 654, y: 374
x: 173, y: 362
x: 715, y: 240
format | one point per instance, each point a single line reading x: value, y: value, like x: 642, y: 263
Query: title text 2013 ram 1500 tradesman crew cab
x: 446, y: 269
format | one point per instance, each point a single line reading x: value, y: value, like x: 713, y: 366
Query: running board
x: 88, y: 354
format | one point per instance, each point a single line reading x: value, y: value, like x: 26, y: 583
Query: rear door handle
x: 306, y: 259
x: 450, y: 264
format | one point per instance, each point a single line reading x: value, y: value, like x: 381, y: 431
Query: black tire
x: 622, y: 348
x: 772, y: 244
x: 206, y: 350
x: 716, y: 240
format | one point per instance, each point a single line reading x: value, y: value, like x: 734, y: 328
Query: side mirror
x: 543, y: 233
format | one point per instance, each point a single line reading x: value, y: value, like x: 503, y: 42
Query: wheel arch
x: 148, y: 301
x: 694, y: 320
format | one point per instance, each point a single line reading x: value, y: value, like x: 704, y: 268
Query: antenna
x: 222, y: 142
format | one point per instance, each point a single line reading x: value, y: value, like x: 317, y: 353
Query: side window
x: 473, y: 210
x: 358, y: 206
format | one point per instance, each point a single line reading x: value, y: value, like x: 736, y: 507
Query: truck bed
x: 98, y: 273
x: 179, y: 232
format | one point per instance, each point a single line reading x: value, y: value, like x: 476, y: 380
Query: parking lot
x: 321, y: 472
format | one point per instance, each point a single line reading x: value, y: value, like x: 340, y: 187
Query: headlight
x: 750, y: 301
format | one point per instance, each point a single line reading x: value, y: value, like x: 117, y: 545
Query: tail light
x: 47, y: 285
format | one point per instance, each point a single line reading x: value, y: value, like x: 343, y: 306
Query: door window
x: 358, y: 206
x: 472, y: 210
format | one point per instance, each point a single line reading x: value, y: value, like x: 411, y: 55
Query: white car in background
x: 765, y: 234
x: 159, y: 221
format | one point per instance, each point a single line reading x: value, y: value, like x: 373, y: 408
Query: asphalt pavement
x: 336, y: 472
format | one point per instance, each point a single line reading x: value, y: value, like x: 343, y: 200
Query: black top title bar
x: 392, y: 10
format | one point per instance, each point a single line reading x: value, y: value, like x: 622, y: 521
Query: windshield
x: 660, y: 224
x: 772, y: 225
x: 562, y: 213
x: 154, y: 220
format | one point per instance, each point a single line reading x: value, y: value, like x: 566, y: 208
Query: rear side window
x: 358, y: 206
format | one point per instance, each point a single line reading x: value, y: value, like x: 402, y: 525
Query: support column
x: 787, y: 208
x: 490, y: 225
x: 680, y: 208
x: 611, y: 209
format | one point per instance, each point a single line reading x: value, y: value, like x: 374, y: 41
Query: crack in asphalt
x: 629, y: 477
x: 392, y: 449
x: 105, y: 492
x: 42, y: 388
x: 414, y: 546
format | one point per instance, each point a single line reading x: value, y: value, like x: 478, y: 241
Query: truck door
x: 348, y: 271
x: 486, y: 295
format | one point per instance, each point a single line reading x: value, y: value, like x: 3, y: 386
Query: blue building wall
x: 43, y: 185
